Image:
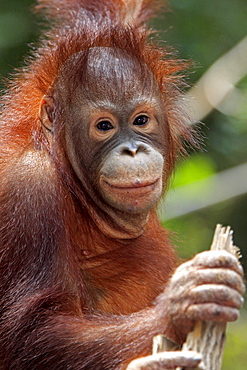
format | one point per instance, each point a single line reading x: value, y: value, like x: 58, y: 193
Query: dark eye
x: 141, y: 120
x: 104, y: 126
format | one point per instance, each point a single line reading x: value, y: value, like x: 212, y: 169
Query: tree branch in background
x: 204, y: 193
x: 218, y: 82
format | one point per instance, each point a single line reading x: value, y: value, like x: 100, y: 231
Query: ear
x: 46, y: 116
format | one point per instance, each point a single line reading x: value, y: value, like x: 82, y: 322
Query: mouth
x: 131, y: 195
x: 137, y: 186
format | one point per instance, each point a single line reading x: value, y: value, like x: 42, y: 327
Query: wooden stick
x: 208, y: 338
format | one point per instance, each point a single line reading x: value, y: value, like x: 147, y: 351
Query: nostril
x: 132, y: 148
x: 129, y: 151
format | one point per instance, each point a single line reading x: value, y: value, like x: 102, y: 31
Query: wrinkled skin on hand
x: 209, y: 287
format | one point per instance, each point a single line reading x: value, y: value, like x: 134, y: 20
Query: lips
x: 134, y: 195
x: 137, y: 186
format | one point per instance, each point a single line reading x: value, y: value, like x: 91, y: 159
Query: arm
x: 44, y: 338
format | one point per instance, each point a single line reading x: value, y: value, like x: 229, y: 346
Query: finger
x: 184, y: 266
x: 219, y: 294
x: 221, y: 276
x: 208, y: 276
x: 218, y: 259
x: 166, y: 360
x: 212, y: 312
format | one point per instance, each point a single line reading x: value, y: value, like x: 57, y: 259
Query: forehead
x: 113, y: 75
x: 106, y: 77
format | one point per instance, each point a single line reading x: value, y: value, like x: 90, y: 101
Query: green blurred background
x: 211, y: 186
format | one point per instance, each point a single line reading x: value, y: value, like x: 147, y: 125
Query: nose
x: 132, y: 148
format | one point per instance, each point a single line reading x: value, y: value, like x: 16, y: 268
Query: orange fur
x: 72, y: 297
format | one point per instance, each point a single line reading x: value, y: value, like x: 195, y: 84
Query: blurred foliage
x: 201, y: 31
x: 187, y: 171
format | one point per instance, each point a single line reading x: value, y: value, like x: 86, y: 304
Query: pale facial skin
x: 115, y: 128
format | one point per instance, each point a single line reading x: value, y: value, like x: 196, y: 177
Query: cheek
x: 132, y: 184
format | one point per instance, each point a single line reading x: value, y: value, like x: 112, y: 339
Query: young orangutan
x: 90, y: 130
